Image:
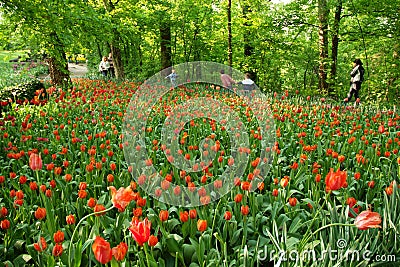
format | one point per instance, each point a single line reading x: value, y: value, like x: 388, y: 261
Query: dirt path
x: 77, y: 70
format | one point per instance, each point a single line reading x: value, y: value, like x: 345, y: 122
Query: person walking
x: 226, y: 80
x: 357, y: 77
x: 248, y: 85
x: 111, y: 71
x: 104, y: 66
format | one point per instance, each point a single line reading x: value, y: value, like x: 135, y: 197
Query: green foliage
x: 284, y: 38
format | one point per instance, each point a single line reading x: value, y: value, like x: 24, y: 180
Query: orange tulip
x: 245, y: 185
x: 35, y: 162
x: 201, y: 225
x: 122, y: 197
x: 140, y: 231
x: 336, y: 180
x: 102, y: 250
x: 368, y: 219
x: 70, y: 219
x: 119, y: 251
x: 153, y: 240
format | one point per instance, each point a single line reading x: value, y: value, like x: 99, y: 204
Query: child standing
x: 172, y: 77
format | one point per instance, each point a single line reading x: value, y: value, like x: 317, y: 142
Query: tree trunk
x: 59, y: 73
x: 323, y: 12
x: 248, y: 49
x: 115, y: 43
x: 229, y: 14
x: 118, y: 65
x: 58, y: 63
x: 335, y: 43
x: 165, y: 44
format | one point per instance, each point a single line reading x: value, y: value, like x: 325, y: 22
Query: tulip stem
x: 315, y: 216
x: 147, y: 254
x: 76, y: 227
x: 326, y: 226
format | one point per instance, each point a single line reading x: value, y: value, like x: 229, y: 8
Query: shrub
x: 21, y: 92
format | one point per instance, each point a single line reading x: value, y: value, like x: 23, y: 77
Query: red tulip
x: 238, y: 198
x: 91, y: 202
x: 228, y: 215
x: 137, y: 212
x: 58, y: 236
x: 193, y: 214
x: 163, y: 215
x: 244, y: 210
x: 57, y: 250
x: 102, y: 250
x: 119, y: 251
x: 184, y: 216
x: 40, y: 213
x: 140, y: 231
x: 122, y: 197
x: 368, y: 219
x: 292, y: 201
x: 371, y: 184
x: 5, y: 224
x: 98, y: 209
x: 35, y: 162
x: 336, y: 180
x: 41, y: 246
x: 275, y: 192
x: 3, y: 212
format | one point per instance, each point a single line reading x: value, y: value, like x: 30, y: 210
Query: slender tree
x: 335, y: 42
x: 116, y: 41
x: 165, y: 43
x: 323, y: 13
x: 229, y: 14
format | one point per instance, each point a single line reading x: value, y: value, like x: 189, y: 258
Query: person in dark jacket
x: 357, y: 77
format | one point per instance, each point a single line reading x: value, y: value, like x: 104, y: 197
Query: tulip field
x: 69, y: 197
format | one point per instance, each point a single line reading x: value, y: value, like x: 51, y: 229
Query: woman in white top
x: 357, y: 77
x: 248, y: 85
x: 104, y: 66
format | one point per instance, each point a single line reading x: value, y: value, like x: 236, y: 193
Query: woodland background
x: 305, y: 45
